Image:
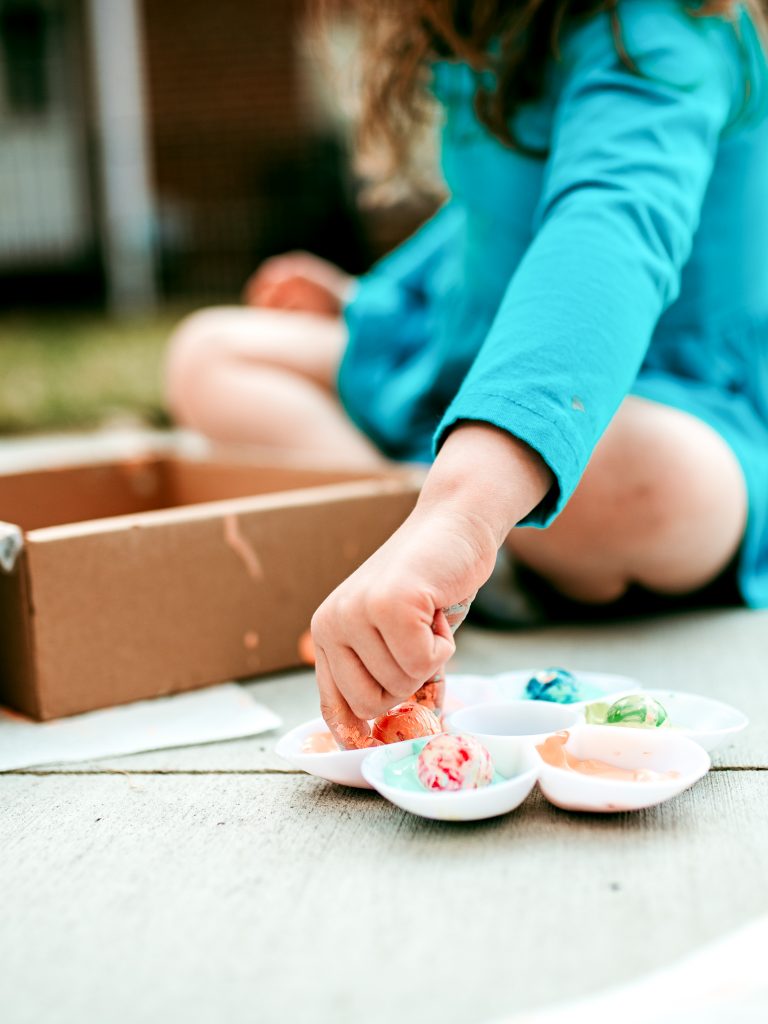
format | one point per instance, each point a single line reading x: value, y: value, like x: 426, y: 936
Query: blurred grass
x: 74, y: 370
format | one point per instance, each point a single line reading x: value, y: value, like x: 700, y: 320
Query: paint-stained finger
x: 447, y: 620
x: 360, y: 688
x: 349, y: 731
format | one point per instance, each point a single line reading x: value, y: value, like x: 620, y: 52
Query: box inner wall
x: 62, y: 495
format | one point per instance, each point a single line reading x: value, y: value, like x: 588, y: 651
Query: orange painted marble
x: 405, y: 722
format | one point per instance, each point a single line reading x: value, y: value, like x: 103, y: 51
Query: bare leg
x: 264, y: 377
x: 661, y: 504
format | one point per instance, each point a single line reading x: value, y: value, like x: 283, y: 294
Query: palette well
x: 675, y: 761
x: 708, y: 722
x: 501, y: 797
x: 468, y: 690
x: 506, y: 727
x: 340, y: 766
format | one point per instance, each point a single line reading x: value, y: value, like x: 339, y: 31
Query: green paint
x: 637, y: 711
x: 595, y: 714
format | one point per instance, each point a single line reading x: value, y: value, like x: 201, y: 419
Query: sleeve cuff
x: 545, y: 436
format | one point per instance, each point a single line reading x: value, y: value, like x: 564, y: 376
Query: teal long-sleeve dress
x: 632, y: 259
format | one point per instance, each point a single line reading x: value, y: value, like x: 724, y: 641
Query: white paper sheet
x: 222, y: 712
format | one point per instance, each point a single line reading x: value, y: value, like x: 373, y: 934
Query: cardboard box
x: 144, y: 577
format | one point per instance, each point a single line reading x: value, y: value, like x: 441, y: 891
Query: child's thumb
x: 444, y: 644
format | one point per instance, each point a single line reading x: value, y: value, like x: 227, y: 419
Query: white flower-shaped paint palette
x: 344, y: 767
x: 511, y: 728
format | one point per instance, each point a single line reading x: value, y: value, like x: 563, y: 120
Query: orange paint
x: 432, y: 694
x: 553, y: 752
x: 237, y: 542
x: 355, y: 738
x: 319, y: 743
x: 306, y: 648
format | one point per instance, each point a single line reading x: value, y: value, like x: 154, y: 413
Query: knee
x: 652, y: 478
x: 654, y: 507
x: 661, y: 503
x: 616, y: 505
x: 194, y: 349
x: 628, y: 501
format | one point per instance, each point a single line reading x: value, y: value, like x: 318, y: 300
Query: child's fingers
x: 360, y: 689
x: 415, y: 646
x: 446, y: 622
x: 371, y: 628
x: 377, y: 659
x: 349, y: 731
x: 440, y: 625
x: 432, y: 694
x: 347, y: 623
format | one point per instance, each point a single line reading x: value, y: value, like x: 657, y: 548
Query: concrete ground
x: 215, y: 884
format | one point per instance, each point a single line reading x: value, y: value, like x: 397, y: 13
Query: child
x: 579, y: 335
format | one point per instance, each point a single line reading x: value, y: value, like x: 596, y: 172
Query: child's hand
x: 298, y: 281
x: 382, y: 633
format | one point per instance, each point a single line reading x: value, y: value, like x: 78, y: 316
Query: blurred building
x: 47, y: 219
x: 154, y: 148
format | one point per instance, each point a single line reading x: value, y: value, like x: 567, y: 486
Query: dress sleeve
x: 630, y: 160
x: 396, y: 287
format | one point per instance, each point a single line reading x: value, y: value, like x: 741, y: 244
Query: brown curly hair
x: 399, y: 37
